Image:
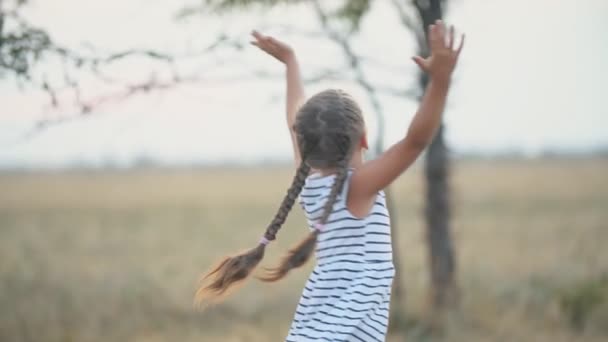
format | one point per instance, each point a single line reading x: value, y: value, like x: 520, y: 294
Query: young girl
x: 346, y: 298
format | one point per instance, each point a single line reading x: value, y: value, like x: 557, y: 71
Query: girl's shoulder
x: 317, y: 188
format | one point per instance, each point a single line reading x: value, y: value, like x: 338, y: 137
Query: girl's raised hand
x: 443, y: 58
x: 273, y: 47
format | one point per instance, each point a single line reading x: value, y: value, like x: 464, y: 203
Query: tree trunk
x: 437, y: 212
x: 398, y: 313
x: 441, y: 250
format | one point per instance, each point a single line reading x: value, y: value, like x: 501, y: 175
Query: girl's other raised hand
x: 275, y: 48
x: 442, y: 61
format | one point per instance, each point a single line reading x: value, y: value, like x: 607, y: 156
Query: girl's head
x: 329, y: 128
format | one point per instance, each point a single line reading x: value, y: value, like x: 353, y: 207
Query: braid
x: 327, y: 127
x: 300, y: 254
x: 290, y: 198
x: 232, y: 271
x: 345, y: 146
x: 335, y: 191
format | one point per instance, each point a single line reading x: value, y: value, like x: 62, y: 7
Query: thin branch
x: 323, y: 75
x: 86, y: 108
x: 25, y: 47
x: 405, y: 19
x: 1, y: 26
x: 144, y: 53
x: 410, y: 94
x: 360, y: 77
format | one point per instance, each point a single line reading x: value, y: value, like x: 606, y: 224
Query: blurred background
x: 140, y: 141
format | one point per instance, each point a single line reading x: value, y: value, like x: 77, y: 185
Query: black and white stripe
x: 347, y: 295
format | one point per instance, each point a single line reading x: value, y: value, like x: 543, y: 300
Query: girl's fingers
x: 420, y: 61
x: 440, y: 30
x: 451, y: 38
x: 262, y: 39
x: 257, y: 35
x: 437, y: 36
x: 461, y: 45
x: 267, y: 43
x: 429, y: 35
x: 434, y: 40
x: 273, y: 42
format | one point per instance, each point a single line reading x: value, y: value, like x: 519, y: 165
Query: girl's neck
x: 355, y: 162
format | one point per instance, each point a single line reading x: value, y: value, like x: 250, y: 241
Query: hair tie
x: 264, y: 241
x: 319, y: 226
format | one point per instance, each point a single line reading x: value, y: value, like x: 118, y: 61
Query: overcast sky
x: 532, y: 76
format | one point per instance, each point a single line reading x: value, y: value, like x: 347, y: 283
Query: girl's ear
x: 363, y: 141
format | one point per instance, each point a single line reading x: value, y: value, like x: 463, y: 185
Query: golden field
x: 115, y: 255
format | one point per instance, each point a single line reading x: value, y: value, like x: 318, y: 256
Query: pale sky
x: 532, y: 76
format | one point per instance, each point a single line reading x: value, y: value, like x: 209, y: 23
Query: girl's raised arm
x: 295, y: 89
x: 379, y: 173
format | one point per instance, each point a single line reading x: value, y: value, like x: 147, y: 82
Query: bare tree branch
x: 97, y: 62
x: 24, y: 49
x: 360, y: 77
x: 410, y: 94
x: 405, y: 19
x: 84, y: 109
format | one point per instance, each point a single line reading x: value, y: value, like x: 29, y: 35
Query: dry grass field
x: 115, y: 255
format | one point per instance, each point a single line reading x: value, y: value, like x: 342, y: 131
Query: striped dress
x: 347, y: 296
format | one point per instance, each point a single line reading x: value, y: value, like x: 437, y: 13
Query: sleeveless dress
x: 347, y: 295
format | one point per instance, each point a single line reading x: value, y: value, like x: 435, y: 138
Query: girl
x: 346, y: 298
